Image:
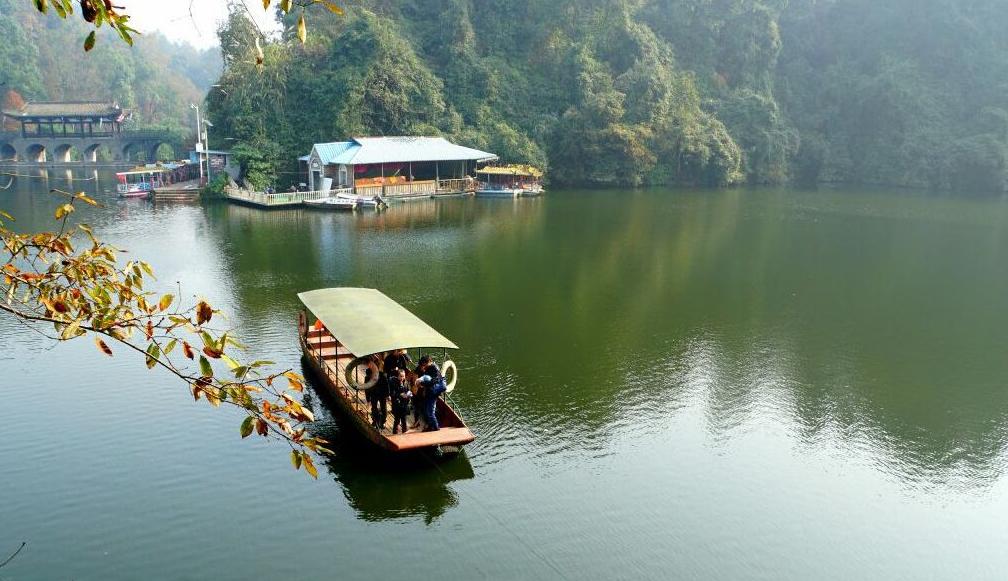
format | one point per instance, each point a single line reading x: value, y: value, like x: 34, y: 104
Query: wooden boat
x: 490, y: 190
x: 334, y: 203
x: 141, y: 181
x: 512, y: 181
x: 340, y: 332
x: 531, y: 191
x: 365, y: 202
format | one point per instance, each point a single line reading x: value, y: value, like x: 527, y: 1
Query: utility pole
x: 199, y: 141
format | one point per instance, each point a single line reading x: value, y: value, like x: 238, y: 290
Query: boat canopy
x: 368, y: 322
x: 512, y: 170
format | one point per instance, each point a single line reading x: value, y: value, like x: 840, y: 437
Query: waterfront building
x: 394, y: 167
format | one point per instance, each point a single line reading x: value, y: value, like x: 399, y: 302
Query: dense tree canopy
x: 41, y: 59
x: 905, y: 92
x: 640, y: 92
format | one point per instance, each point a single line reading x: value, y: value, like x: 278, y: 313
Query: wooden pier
x: 188, y: 191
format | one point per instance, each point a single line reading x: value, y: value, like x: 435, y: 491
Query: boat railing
x: 283, y: 198
x: 333, y: 376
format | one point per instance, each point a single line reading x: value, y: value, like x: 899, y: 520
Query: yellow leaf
x: 302, y: 29
x: 296, y: 459
x: 333, y: 7
x: 285, y: 5
x: 165, y: 302
x: 309, y: 466
x: 212, y: 397
x: 86, y: 198
x: 64, y: 211
x: 266, y: 4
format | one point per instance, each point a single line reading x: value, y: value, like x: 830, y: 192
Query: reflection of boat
x: 334, y: 203
x: 377, y: 486
x: 510, y: 181
x: 354, y: 324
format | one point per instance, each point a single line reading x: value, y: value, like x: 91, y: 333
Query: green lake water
x: 764, y: 384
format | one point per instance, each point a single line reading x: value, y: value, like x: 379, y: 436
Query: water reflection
x: 381, y: 486
x: 584, y: 316
x: 868, y: 320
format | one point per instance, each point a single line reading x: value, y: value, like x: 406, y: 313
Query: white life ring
x: 352, y: 368
x: 450, y: 366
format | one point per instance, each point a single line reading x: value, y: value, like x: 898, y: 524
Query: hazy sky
x: 171, y: 18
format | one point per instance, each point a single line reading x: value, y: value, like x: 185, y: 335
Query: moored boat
x: 141, y: 181
x: 334, y: 203
x: 365, y: 202
x: 510, y: 181
x: 351, y: 327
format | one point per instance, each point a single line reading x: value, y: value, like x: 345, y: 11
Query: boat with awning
x: 345, y: 333
x: 509, y: 180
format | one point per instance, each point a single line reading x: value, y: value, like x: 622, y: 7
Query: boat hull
x: 332, y: 205
x: 505, y: 193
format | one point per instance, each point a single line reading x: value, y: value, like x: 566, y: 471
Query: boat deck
x: 334, y: 360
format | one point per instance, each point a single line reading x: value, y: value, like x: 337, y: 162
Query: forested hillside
x: 710, y: 92
x: 41, y: 59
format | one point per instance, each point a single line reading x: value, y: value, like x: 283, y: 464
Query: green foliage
x: 637, y: 92
x: 42, y: 58
x: 215, y: 188
x: 260, y: 159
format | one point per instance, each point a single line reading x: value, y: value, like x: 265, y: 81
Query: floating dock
x: 187, y: 191
x: 391, y: 193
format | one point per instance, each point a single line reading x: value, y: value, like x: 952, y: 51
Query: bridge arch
x: 36, y: 152
x: 162, y: 151
x: 66, y: 153
x: 98, y: 152
x: 132, y: 151
x: 8, y: 152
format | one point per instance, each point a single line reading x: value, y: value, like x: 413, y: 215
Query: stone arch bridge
x: 124, y: 146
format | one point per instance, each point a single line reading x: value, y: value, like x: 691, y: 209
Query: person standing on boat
x: 434, y: 386
x: 396, y: 360
x: 377, y: 395
x: 420, y: 390
x: 401, y: 396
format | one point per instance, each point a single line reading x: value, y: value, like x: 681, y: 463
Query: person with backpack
x: 434, y: 385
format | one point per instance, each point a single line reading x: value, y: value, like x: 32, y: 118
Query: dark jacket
x: 401, y: 396
x: 379, y: 390
x: 394, y: 361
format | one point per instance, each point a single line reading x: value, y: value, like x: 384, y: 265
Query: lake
x: 760, y: 384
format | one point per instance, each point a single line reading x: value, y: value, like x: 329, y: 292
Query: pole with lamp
x: 199, y: 140
x: 206, y: 149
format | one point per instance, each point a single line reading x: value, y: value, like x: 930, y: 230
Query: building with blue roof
x: 394, y: 166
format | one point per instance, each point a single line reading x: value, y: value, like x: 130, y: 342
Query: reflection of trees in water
x: 584, y: 314
x: 832, y: 319
x: 380, y: 486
